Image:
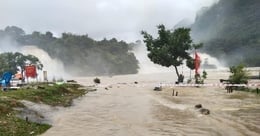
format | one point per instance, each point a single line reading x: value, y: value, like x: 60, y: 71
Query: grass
x: 55, y: 95
x: 10, y: 125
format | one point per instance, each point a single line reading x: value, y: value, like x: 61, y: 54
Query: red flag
x: 197, y: 63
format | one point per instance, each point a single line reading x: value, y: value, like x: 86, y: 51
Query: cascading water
x: 147, y: 66
x: 54, y: 67
x: 210, y: 61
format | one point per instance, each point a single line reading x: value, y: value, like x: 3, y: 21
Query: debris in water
x: 157, y: 88
x: 198, y: 106
x: 204, y: 111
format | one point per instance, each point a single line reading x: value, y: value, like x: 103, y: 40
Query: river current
x: 121, y: 107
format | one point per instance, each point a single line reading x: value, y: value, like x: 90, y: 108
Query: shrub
x: 238, y: 75
x: 199, y: 79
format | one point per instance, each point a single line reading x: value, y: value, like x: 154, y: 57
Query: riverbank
x: 11, y: 123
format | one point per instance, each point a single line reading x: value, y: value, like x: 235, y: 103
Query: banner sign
x: 30, y: 71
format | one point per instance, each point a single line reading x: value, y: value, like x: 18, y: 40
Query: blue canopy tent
x: 6, y: 78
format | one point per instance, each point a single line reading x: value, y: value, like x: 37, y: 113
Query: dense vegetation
x: 55, y: 95
x: 230, y: 31
x: 80, y: 54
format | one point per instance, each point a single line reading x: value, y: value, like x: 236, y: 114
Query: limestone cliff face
x: 230, y: 30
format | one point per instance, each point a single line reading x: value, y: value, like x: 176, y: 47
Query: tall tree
x: 170, y: 48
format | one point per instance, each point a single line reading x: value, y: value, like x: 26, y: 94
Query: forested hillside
x: 80, y: 54
x: 230, y: 31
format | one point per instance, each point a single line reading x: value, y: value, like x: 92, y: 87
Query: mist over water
x: 145, y: 64
x: 211, y: 60
x: 148, y: 67
x: 8, y: 45
x: 54, y: 67
x: 122, y: 19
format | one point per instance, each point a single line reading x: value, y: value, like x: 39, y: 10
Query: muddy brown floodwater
x: 129, y: 109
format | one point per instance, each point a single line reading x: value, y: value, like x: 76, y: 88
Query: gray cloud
x: 123, y: 19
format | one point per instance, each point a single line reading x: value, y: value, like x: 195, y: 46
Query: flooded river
x: 129, y: 109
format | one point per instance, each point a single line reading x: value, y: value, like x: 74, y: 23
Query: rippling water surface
x: 128, y: 109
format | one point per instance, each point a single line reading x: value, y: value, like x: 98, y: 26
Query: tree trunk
x: 177, y: 72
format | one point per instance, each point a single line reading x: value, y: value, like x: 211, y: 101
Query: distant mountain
x: 230, y: 31
x: 81, y: 55
x: 183, y: 23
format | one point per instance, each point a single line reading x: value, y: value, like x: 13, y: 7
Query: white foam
x: 53, y: 66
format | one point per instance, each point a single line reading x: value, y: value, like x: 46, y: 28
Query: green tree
x: 12, y: 62
x: 171, y: 48
x: 238, y: 74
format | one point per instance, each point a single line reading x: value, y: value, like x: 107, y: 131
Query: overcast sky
x: 123, y: 19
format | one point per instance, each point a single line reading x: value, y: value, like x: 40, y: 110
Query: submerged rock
x: 97, y: 81
x: 198, y: 106
x: 204, y: 111
x: 157, y: 88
